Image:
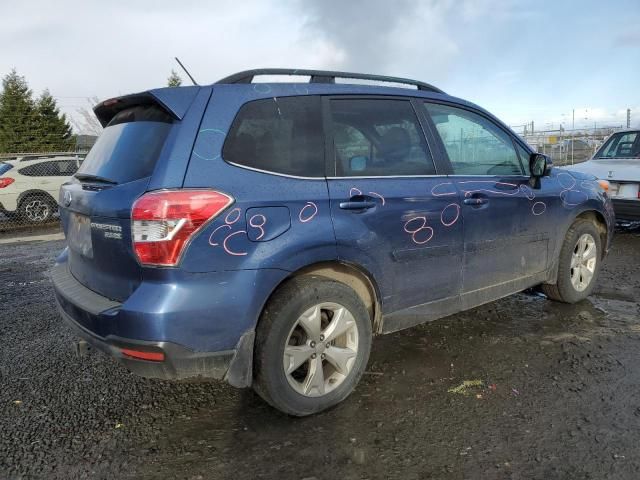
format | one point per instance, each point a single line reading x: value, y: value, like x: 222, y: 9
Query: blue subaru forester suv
x: 262, y: 233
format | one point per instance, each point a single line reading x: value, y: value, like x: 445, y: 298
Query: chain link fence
x: 29, y: 185
x: 567, y: 147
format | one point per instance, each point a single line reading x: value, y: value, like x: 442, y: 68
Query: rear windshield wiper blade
x: 94, y: 178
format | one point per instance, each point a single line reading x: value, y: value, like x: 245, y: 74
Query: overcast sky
x: 534, y: 60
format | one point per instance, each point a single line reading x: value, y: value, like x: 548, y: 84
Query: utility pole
x: 573, y: 128
x: 628, y: 118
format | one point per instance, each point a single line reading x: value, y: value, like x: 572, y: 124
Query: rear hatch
x: 95, y: 206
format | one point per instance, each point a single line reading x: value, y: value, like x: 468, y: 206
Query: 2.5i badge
x: 109, y: 230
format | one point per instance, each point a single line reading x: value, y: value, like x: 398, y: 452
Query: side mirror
x: 358, y: 163
x: 540, y: 165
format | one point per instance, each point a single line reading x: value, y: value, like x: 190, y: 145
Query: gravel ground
x: 553, y: 392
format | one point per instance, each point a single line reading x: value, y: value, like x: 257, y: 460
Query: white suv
x: 29, y: 186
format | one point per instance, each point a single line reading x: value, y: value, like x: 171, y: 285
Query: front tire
x: 578, y: 265
x: 312, y: 345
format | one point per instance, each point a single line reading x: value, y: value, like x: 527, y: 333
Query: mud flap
x: 240, y: 372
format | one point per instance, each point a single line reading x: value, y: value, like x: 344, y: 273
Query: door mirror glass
x: 539, y: 165
x: 358, y: 163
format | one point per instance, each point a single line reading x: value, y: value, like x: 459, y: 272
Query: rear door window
x: 378, y: 137
x: 130, y: 145
x: 281, y: 135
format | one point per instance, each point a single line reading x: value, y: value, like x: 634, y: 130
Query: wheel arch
x: 36, y: 193
x: 601, y: 225
x: 355, y: 277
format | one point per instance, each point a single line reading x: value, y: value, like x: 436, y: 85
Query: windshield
x: 129, y: 147
x: 621, y: 145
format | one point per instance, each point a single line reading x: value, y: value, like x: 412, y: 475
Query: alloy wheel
x: 37, y: 210
x: 583, y: 262
x: 321, y: 349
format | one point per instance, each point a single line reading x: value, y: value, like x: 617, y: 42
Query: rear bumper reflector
x: 143, y: 355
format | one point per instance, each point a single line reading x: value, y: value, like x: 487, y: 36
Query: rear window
x: 281, y: 135
x: 5, y: 167
x: 130, y: 145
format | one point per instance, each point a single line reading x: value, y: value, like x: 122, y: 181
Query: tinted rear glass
x: 282, y: 135
x: 130, y: 144
x: 4, y: 168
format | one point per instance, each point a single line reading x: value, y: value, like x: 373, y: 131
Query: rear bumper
x: 179, y: 362
x: 626, y: 209
x: 99, y: 320
x: 8, y: 203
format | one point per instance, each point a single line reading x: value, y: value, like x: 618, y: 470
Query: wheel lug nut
x: 313, y: 344
x: 313, y: 355
x: 322, y: 356
x: 328, y: 345
x: 321, y: 337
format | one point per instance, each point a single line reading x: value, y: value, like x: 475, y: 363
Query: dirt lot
x: 559, y: 397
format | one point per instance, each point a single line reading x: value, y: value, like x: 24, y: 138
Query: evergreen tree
x: 174, y: 79
x: 52, y: 129
x: 17, y: 115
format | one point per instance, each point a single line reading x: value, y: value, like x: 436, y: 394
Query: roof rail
x: 323, y: 76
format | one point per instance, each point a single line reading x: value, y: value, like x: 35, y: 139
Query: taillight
x: 164, y: 222
x: 5, y: 182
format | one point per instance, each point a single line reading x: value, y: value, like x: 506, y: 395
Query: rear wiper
x: 94, y: 178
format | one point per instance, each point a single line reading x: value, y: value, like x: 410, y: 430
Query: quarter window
x: 378, y: 137
x: 282, y: 135
x: 57, y: 168
x: 474, y: 144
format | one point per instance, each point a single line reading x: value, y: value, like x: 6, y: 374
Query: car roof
x: 177, y: 100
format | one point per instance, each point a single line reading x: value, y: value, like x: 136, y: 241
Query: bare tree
x: 86, y: 122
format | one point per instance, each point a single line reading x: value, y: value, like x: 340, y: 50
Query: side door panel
x: 505, y: 244
x: 501, y: 244
x: 411, y: 241
x: 409, y: 236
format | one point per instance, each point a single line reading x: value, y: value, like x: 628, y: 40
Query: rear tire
x: 578, y: 265
x: 312, y: 345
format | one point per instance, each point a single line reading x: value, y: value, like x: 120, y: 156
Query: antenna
x: 185, y: 70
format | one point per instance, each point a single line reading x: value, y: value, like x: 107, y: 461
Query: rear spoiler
x: 175, y: 101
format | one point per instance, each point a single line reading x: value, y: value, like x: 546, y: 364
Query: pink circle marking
x: 419, y: 229
x: 526, y: 190
x: 442, y: 194
x: 211, y: 242
x: 226, y: 247
x: 231, y: 222
x: 538, y: 211
x: 308, y: 218
x: 448, y: 224
x: 354, y: 189
x: 379, y: 196
x: 564, y: 185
